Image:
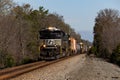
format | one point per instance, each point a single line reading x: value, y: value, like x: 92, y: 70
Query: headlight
x: 44, y: 45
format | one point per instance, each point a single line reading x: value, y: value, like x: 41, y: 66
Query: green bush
x: 27, y: 60
x: 6, y: 60
x: 105, y: 54
x: 115, y: 57
x: 9, y: 61
x: 2, y: 58
x: 92, y: 50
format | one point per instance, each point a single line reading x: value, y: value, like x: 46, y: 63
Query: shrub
x: 9, y: 61
x: 115, y: 57
x: 27, y: 60
x: 2, y: 58
x: 6, y: 60
x: 92, y: 50
x: 105, y: 54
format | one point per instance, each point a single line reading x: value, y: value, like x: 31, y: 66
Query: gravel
x: 76, y: 68
x: 96, y: 69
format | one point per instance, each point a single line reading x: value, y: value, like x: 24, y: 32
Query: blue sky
x: 79, y: 14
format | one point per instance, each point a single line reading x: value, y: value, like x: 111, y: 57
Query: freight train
x: 55, y: 43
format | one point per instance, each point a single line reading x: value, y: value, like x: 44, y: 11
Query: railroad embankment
x: 76, y: 68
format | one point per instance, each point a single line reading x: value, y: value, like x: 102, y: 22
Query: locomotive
x: 55, y: 43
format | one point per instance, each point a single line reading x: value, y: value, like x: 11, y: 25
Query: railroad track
x: 8, y: 73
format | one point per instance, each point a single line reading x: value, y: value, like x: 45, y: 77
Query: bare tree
x: 5, y: 6
x: 106, y: 27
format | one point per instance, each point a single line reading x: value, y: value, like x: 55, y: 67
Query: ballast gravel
x: 79, y: 67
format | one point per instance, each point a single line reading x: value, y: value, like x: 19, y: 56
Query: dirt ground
x: 95, y: 69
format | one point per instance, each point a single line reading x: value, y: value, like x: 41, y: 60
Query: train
x: 54, y: 43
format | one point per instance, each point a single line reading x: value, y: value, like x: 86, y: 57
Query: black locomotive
x: 55, y: 43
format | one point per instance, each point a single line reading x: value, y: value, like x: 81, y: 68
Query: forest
x: 106, y: 42
x: 19, y: 26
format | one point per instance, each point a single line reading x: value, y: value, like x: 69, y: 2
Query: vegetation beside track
x: 19, y: 26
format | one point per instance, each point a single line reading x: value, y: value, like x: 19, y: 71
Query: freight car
x: 55, y: 43
x: 72, y: 45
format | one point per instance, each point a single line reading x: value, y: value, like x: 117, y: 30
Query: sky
x: 79, y: 14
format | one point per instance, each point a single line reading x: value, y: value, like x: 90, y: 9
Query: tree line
x: 107, y: 35
x: 19, y: 26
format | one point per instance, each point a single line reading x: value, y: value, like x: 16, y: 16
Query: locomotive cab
x: 51, y: 40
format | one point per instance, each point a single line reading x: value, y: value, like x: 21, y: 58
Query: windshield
x: 46, y: 34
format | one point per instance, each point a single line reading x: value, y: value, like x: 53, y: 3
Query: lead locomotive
x: 54, y: 43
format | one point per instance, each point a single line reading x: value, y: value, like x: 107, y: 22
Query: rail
x: 16, y: 71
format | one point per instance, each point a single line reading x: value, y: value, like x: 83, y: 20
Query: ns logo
x: 50, y: 42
